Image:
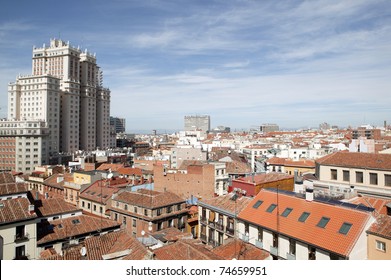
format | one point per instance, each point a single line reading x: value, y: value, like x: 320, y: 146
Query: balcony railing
x: 203, y: 237
x: 290, y: 256
x: 212, y: 242
x: 219, y: 226
x: 230, y: 231
x: 244, y: 237
x: 259, y: 244
x: 22, y: 237
x: 203, y: 220
x: 273, y: 250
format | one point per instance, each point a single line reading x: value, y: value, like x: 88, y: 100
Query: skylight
x: 257, y: 204
x: 345, y: 228
x: 286, y: 212
x: 271, y: 208
x: 76, y: 221
x: 323, y: 222
x: 304, y: 217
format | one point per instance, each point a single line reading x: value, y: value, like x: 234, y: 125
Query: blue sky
x: 244, y: 63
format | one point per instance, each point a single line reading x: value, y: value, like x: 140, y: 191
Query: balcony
x: 203, y: 237
x: 203, y: 220
x: 21, y: 237
x: 230, y: 230
x: 259, y: 244
x: 274, y: 250
x: 219, y: 226
x: 212, y: 242
x: 211, y: 224
x: 244, y: 237
x: 290, y: 256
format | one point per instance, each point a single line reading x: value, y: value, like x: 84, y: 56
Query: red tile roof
x: 130, y: 171
x: 327, y: 238
x: 358, y: 160
x: 240, y: 250
x: 53, y: 181
x: 171, y: 234
x: 382, y: 227
x: 113, y: 242
x: 69, y: 227
x: 225, y: 202
x: 54, y: 206
x: 149, y: 199
x: 378, y: 203
x: 99, y: 192
x: 14, y: 210
x: 265, y: 178
x: 112, y: 166
x: 186, y: 249
x: 6, y: 177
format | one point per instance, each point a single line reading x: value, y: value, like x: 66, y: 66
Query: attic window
x: 257, y: 204
x: 60, y: 226
x: 99, y: 195
x: 92, y: 193
x: 286, y: 212
x: 304, y: 217
x: 271, y: 208
x: 323, y: 222
x: 87, y: 191
x: 345, y: 228
x: 105, y: 196
x: 76, y: 221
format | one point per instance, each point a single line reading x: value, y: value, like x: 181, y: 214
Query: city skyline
x: 243, y: 63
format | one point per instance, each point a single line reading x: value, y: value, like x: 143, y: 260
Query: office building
x: 61, y: 107
x: 197, y: 123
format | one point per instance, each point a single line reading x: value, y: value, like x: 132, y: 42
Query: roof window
x: 345, y: 228
x: 271, y: 208
x: 76, y: 221
x: 304, y: 217
x: 323, y: 222
x: 257, y: 204
x: 286, y: 212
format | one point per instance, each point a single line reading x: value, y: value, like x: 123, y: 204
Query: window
x: 76, y: 221
x: 124, y: 220
x: 333, y: 174
x: 304, y: 217
x: 271, y: 208
x: 20, y: 252
x: 146, y: 212
x: 387, y: 180
x: 134, y: 221
x: 323, y: 222
x: 345, y: 228
x: 94, y: 207
x: 359, y: 177
x: 126, y: 207
x: 82, y: 204
x: 158, y: 211
x: 260, y: 234
x: 292, y: 246
x: 373, y: 178
x: 257, y: 204
x: 20, y: 234
x: 311, y: 253
x: 169, y: 209
x: 346, y: 175
x: 381, y: 246
x: 286, y: 212
x: 135, y: 210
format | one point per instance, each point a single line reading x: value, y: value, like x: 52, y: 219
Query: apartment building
x: 181, y: 153
x: 295, y: 227
x: 198, y: 122
x: 217, y: 217
x: 364, y: 173
x: 145, y: 211
x: 198, y: 179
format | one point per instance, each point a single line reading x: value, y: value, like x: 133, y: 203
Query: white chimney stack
x: 309, y: 194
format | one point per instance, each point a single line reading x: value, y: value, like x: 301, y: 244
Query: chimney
x: 309, y: 194
x: 31, y: 209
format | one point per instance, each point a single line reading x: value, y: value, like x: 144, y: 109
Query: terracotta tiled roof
x: 73, y: 226
x: 112, y: 166
x: 237, y: 167
x: 54, y: 206
x: 382, y: 227
x: 6, y: 177
x: 14, y: 210
x: 358, y: 160
x: 149, y: 199
x: 377, y: 203
x: 72, y: 253
x: 265, y: 178
x: 186, y: 163
x: 186, y: 249
x: 53, y: 181
x: 130, y: 171
x: 171, y: 234
x: 300, y: 163
x: 240, y: 250
x: 276, y: 161
x: 226, y: 203
x: 308, y: 232
x: 113, y: 242
x: 99, y: 192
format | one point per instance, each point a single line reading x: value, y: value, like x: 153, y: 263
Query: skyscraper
x: 197, y: 123
x: 61, y: 107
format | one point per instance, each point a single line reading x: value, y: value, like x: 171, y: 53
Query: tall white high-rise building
x: 201, y: 123
x: 64, y: 98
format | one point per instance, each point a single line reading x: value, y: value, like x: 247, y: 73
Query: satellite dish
x: 109, y: 175
x: 83, y: 251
